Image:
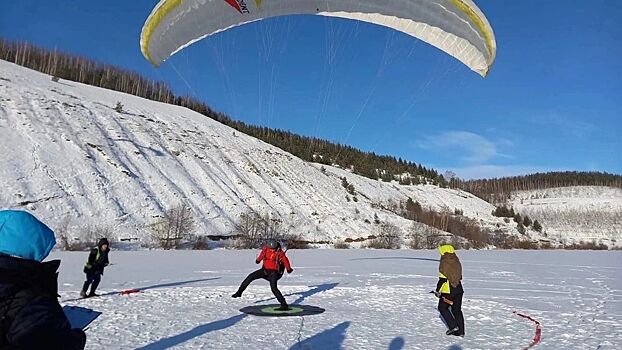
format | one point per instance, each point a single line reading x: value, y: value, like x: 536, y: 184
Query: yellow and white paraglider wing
x: 457, y: 27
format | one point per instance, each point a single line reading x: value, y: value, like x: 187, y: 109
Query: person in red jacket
x: 274, y: 262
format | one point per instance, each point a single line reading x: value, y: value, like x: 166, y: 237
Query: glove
x: 257, y: 261
x: 447, y: 301
x: 436, y: 294
x: 290, y: 270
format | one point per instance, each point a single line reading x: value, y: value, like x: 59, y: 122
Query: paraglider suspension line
x: 302, y: 323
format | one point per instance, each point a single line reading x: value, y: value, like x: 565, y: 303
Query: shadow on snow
x: 161, y: 285
x: 198, y: 331
x: 397, y: 343
x: 176, y: 284
x: 303, y: 295
x: 329, y: 339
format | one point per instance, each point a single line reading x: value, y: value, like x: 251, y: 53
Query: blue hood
x: 23, y: 236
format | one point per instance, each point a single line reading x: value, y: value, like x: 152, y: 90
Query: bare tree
x: 390, y: 237
x: 253, y: 229
x: 176, y: 225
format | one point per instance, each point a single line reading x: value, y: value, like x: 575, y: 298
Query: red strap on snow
x: 538, y: 336
x: 129, y: 291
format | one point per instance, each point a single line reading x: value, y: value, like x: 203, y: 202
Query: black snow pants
x: 454, y: 318
x: 92, y: 279
x: 270, y: 276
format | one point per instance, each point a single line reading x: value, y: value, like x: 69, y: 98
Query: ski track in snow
x: 373, y: 300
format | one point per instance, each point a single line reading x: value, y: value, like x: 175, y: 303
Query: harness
x: 87, y: 265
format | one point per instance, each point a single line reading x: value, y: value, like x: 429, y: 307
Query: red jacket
x: 271, y: 259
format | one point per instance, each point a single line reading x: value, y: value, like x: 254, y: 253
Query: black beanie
x: 102, y: 242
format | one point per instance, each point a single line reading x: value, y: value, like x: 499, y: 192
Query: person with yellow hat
x: 449, y: 290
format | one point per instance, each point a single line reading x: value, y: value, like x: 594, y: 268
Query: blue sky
x: 552, y: 100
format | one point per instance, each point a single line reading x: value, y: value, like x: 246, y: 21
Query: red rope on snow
x: 538, y: 336
x: 129, y: 291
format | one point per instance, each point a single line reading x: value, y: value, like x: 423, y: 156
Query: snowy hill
x: 71, y: 158
x: 579, y: 213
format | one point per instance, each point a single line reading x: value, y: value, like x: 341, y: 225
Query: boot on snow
x: 236, y: 295
x: 283, y: 307
x: 453, y: 331
x: 83, y: 293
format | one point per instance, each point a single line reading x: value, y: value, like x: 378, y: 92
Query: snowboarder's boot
x: 93, y: 294
x: 236, y: 295
x: 83, y: 293
x: 283, y: 307
x: 453, y: 331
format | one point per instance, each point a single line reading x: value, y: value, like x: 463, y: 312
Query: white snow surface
x: 69, y: 157
x: 576, y: 213
x: 374, y: 299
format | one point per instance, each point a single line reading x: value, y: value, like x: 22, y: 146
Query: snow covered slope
x: 573, y: 214
x: 71, y: 158
x: 68, y: 155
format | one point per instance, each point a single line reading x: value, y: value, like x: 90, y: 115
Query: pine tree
x: 537, y: 226
x: 526, y: 221
x: 521, y: 229
x: 344, y: 182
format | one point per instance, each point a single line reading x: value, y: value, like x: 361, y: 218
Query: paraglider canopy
x: 457, y: 27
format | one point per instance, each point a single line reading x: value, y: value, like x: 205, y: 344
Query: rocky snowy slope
x: 75, y: 161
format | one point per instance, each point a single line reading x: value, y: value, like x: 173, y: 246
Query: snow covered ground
x: 373, y: 300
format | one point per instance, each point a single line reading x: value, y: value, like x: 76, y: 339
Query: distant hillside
x: 576, y: 213
x: 499, y: 191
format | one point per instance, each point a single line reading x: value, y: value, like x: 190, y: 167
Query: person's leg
x: 250, y: 278
x: 443, y: 308
x: 456, y: 310
x: 87, y: 283
x: 273, y: 278
x: 96, y: 278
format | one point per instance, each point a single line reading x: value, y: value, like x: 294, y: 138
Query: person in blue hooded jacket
x: 30, y: 315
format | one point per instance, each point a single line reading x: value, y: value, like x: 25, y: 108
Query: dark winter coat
x: 98, y: 259
x: 30, y: 315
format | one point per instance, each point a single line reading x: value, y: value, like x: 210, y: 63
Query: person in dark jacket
x: 30, y: 315
x: 449, y: 290
x: 94, y: 267
x: 274, y: 262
